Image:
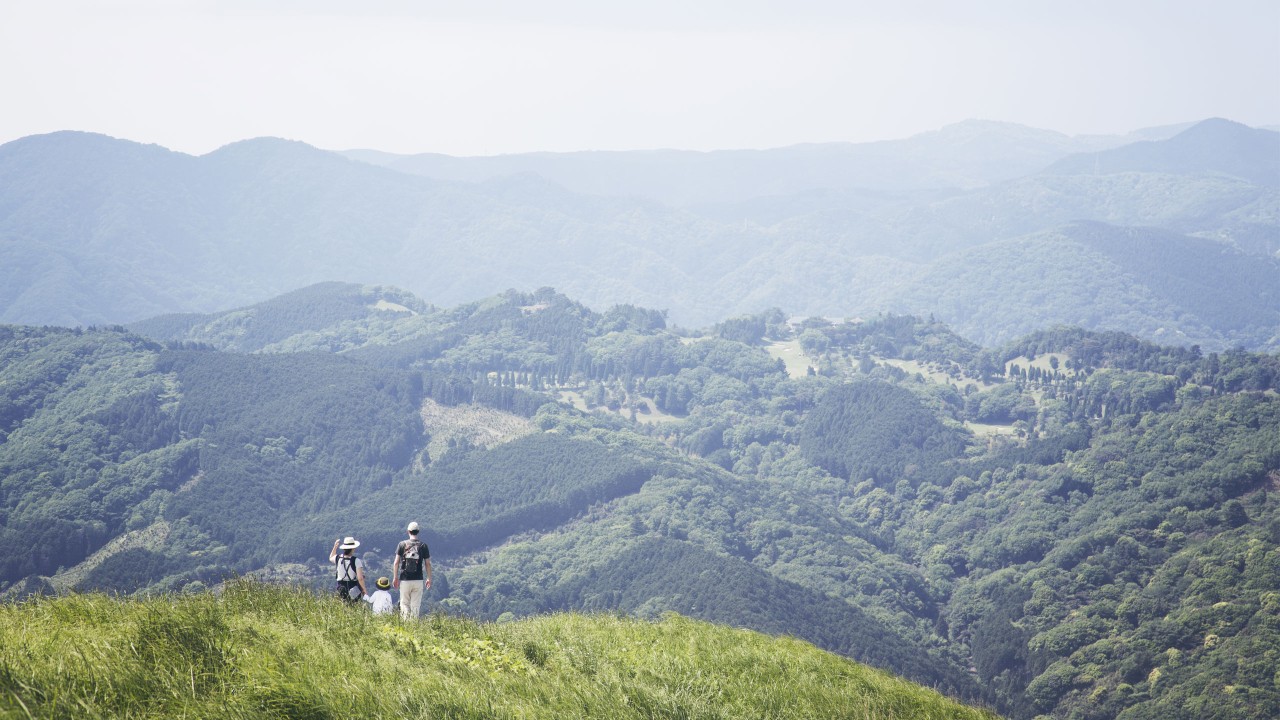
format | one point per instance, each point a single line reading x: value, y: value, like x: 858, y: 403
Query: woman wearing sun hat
x: 350, y: 569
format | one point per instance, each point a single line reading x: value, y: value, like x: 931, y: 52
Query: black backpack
x: 411, y: 558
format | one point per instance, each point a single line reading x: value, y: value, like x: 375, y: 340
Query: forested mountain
x: 1192, y: 291
x: 97, y: 231
x: 325, y: 308
x: 1074, y: 524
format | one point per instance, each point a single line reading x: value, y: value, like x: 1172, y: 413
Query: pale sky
x: 498, y: 76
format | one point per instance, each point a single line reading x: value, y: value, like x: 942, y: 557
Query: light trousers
x: 411, y: 592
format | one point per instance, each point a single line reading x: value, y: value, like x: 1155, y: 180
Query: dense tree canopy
x: 1087, y: 520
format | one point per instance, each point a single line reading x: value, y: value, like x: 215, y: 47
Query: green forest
x: 1074, y: 524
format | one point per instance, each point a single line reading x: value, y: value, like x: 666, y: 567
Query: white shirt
x: 342, y: 568
x: 380, y: 600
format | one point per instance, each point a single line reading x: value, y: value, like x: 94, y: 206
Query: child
x: 380, y: 599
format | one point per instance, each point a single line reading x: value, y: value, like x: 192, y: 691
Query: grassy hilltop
x: 265, y: 651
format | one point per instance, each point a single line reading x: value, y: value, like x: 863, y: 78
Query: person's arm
x: 360, y: 575
x: 395, y: 570
x: 428, y: 569
x: 333, y: 554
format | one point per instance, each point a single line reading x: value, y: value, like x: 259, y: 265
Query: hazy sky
x: 485, y: 77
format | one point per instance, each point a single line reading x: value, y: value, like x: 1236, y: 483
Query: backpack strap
x: 349, y: 573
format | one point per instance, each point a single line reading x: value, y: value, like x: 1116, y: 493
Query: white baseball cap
x: 413, y: 526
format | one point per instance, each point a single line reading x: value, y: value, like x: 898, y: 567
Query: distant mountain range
x: 970, y: 154
x: 978, y: 224
x: 1217, y: 147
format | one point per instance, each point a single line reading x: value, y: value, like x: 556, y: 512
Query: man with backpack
x: 412, y: 572
x: 350, y: 569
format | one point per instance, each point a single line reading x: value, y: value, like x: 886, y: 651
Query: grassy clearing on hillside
x: 792, y: 356
x: 652, y: 417
x: 798, y: 365
x: 932, y: 374
x: 1043, y: 361
x: 986, y: 430
x: 479, y: 425
x: 264, y: 651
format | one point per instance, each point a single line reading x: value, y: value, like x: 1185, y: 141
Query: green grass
x: 986, y: 430
x: 792, y: 356
x: 932, y: 373
x: 1042, y: 361
x: 265, y: 651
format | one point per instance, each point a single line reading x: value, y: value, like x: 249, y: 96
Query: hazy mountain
x: 965, y: 155
x: 324, y: 307
x: 97, y: 230
x: 1181, y: 184
x: 1214, y: 146
x: 100, y: 230
x: 1160, y: 285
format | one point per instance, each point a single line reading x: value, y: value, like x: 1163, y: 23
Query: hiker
x: 380, y: 599
x: 412, y: 572
x: 350, y: 574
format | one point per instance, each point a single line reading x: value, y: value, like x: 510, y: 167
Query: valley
x: 1039, y: 526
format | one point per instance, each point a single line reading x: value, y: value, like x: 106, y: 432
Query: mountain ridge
x: 1215, y: 145
x: 141, y: 231
x: 684, y: 177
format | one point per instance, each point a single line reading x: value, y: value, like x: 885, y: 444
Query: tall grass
x: 259, y: 651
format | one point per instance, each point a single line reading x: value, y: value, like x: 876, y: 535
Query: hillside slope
x: 184, y: 463
x: 259, y: 651
x: 1086, y: 520
x: 1155, y: 284
x: 1215, y: 146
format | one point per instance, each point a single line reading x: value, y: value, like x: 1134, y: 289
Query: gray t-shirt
x: 409, y: 568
